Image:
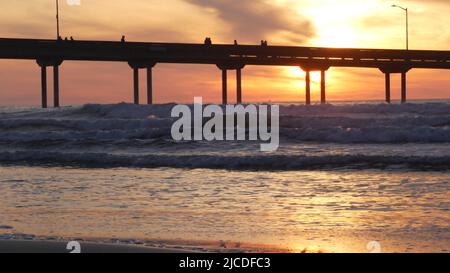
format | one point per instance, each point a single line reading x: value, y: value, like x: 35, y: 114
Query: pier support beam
x: 388, y: 70
x: 224, y: 68
x: 239, y: 85
x: 44, y: 63
x: 150, y: 85
x: 403, y: 87
x: 311, y: 67
x: 44, y: 85
x: 136, y: 84
x: 56, y: 85
x: 323, y: 98
x: 308, y: 87
x: 388, y: 87
x: 224, y: 87
x: 136, y: 65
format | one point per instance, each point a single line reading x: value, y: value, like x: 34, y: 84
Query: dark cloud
x: 254, y: 20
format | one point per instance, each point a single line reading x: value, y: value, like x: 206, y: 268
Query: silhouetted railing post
x: 388, y: 87
x: 308, y: 87
x: 403, y: 87
x: 323, y: 98
x: 239, y: 85
x: 56, y: 85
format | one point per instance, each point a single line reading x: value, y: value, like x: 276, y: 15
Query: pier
x: 226, y: 57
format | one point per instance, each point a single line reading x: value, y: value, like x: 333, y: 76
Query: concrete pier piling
x: 308, y: 87
x: 234, y: 67
x: 144, y: 64
x: 136, y: 84
x: 388, y: 87
x: 323, y: 98
x: 44, y: 86
x: 403, y: 87
x: 239, y: 85
x: 43, y: 64
x: 150, y: 85
x: 56, y: 85
x: 224, y: 87
x: 398, y: 69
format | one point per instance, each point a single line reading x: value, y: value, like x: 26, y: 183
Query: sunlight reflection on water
x: 338, y: 210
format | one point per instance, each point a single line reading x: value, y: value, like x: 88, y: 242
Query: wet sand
x: 19, y: 246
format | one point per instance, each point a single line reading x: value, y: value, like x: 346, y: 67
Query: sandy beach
x: 34, y: 247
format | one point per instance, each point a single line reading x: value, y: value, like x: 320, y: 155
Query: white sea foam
x: 281, y: 162
x: 133, y: 135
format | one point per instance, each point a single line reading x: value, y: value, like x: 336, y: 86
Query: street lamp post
x: 407, y: 24
x: 57, y: 19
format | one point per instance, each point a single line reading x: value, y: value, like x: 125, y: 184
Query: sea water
x: 344, y: 175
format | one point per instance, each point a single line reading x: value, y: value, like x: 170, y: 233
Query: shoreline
x: 30, y: 243
x: 56, y: 247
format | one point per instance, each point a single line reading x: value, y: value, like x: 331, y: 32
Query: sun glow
x: 338, y: 25
x: 297, y: 73
x: 342, y: 37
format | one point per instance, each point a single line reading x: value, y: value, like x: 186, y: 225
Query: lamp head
x: 397, y: 6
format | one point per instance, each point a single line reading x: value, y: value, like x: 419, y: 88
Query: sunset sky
x: 343, y: 23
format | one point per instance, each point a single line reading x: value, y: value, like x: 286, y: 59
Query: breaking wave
x: 274, y: 162
x: 128, y: 135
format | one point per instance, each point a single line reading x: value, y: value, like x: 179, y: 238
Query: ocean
x: 345, y: 174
